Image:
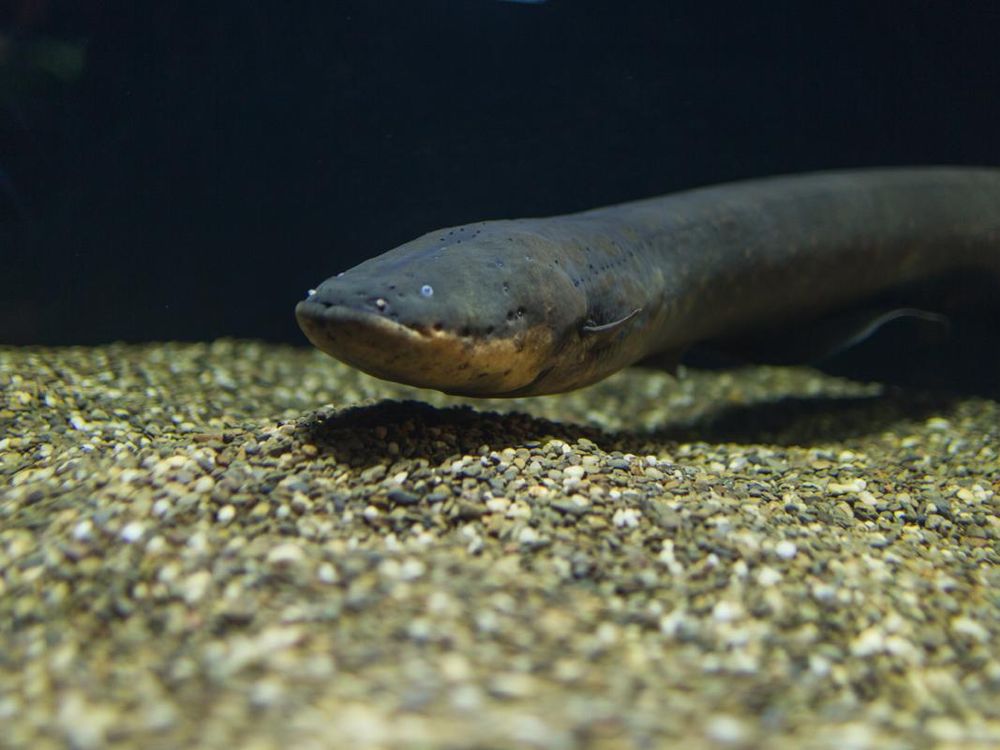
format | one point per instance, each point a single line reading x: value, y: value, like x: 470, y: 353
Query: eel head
x: 482, y: 310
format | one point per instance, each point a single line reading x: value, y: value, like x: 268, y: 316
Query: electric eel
x: 793, y: 265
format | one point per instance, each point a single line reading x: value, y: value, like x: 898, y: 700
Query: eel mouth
x: 426, y: 357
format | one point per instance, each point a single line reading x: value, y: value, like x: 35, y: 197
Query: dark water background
x: 187, y: 170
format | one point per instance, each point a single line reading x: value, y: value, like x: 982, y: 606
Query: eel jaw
x: 425, y: 357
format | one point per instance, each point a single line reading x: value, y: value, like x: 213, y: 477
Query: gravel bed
x: 244, y: 545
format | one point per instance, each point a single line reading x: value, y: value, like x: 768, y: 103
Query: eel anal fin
x: 821, y: 340
x: 932, y: 323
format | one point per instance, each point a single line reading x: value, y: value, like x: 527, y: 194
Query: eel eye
x: 426, y: 290
x: 381, y: 304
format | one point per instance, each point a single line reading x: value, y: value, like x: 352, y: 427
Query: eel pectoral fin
x: 607, y: 330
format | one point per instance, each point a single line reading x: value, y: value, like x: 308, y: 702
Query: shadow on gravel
x: 388, y: 430
x: 807, y: 421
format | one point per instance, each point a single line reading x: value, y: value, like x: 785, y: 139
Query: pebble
x: 726, y: 730
x: 286, y: 554
x: 786, y: 549
x: 132, y: 532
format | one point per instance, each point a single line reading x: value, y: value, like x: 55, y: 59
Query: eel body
x: 536, y: 306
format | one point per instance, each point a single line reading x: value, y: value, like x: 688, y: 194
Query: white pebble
x: 785, y: 549
x: 768, y: 577
x: 497, y: 504
x: 466, y: 698
x: 286, y: 554
x: 726, y: 730
x: 412, y: 569
x: 725, y: 611
x: 195, y: 586
x: 843, y: 488
x: 203, y: 485
x: 626, y: 518
x: 868, y: 642
x: 527, y: 535
x: 968, y: 627
x: 132, y: 532
x: 819, y: 665
x: 327, y: 573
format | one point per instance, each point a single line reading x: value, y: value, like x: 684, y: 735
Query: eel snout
x: 427, y: 357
